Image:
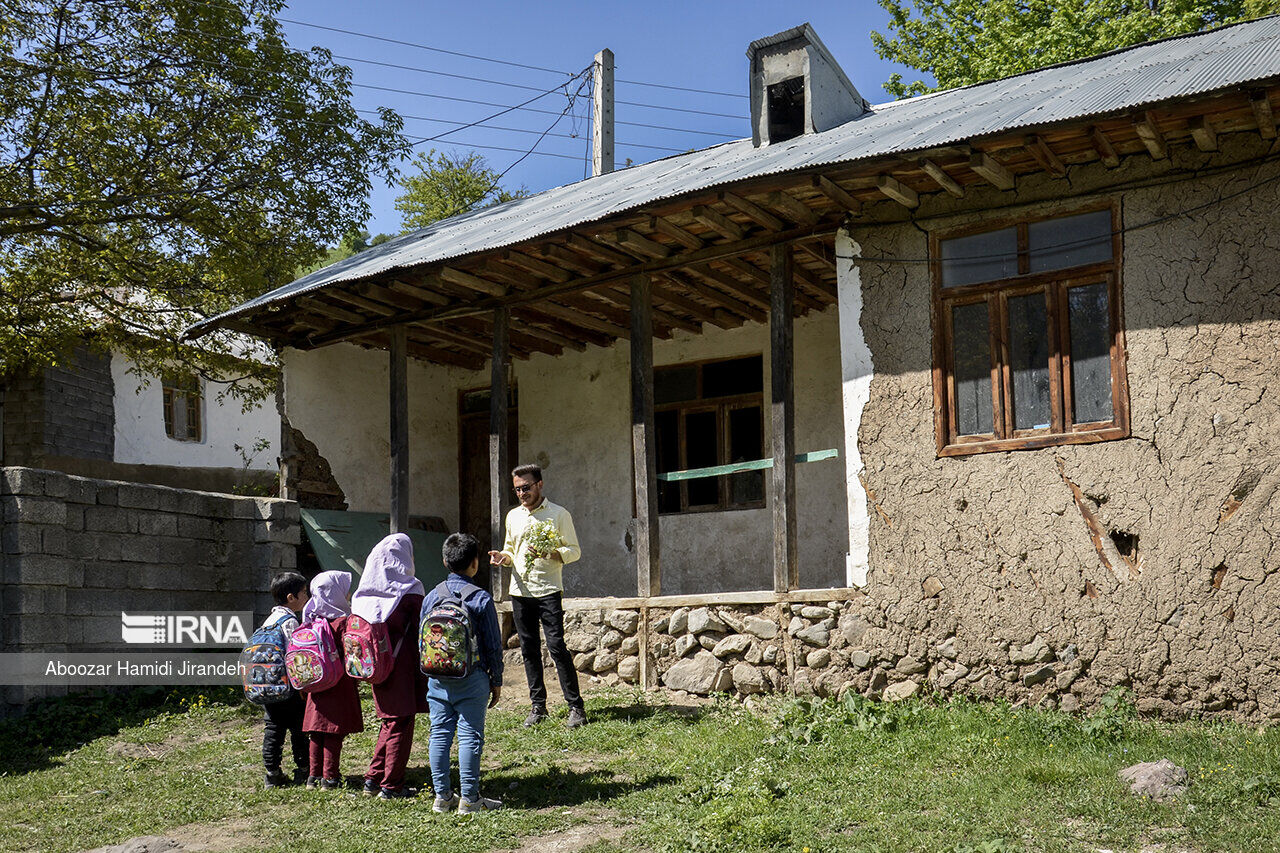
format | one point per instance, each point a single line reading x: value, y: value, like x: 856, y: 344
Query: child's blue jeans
x: 457, y: 703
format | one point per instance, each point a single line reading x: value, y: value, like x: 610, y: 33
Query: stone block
x: 53, y: 540
x: 860, y: 659
x: 140, y: 549
x: 765, y: 629
x: 157, y: 524
x: 135, y: 496
x: 583, y: 662
x: 770, y: 654
x: 39, y: 569
x: 708, y: 641
x: 20, y: 538
x: 748, y: 680
x: 1038, y: 675
x: 108, y: 494
x: 168, y: 500
x: 22, y: 481
x: 630, y: 646
x: 624, y: 621
x: 109, y: 519
x: 244, y: 508
x: 81, y: 490
x: 931, y: 586
x: 818, y: 659
x: 815, y: 612
x: 56, y: 485
x: 754, y: 654
x: 284, y: 558
x: 629, y: 670
x: 684, y: 644
x: 34, y: 510
x: 194, y: 527
x: 815, y: 635
x: 733, y: 623
x: 581, y: 641
x: 702, y: 619
x: 909, y: 665
x: 660, y: 626
x: 734, y: 644
x: 604, y: 661
x: 900, y: 691
x: 679, y: 621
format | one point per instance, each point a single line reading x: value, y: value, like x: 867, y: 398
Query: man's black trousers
x: 547, y: 611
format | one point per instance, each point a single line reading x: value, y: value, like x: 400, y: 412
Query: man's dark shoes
x: 536, y: 716
x: 577, y: 718
x: 276, y: 779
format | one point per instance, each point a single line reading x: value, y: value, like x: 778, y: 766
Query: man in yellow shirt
x: 537, y: 592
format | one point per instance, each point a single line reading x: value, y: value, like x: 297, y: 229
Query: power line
x: 684, y: 89
x: 519, y: 106
x: 524, y: 130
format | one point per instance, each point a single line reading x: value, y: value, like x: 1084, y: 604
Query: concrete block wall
x: 75, y: 552
x: 79, y: 407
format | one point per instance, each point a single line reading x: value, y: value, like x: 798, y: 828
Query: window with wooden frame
x: 1029, y: 334
x: 705, y: 415
x: 183, y: 412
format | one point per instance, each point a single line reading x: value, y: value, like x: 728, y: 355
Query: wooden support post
x: 786, y: 570
x: 643, y: 447
x: 399, y: 429
x: 499, y: 452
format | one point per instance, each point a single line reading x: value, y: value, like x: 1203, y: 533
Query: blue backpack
x: 262, y: 668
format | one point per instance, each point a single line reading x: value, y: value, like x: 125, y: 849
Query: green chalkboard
x: 342, y: 541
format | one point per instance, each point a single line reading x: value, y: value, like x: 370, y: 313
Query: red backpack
x: 312, y: 661
x: 368, y: 652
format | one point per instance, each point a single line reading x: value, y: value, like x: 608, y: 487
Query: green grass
x: 820, y: 776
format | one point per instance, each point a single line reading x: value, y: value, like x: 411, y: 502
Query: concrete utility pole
x: 602, y: 115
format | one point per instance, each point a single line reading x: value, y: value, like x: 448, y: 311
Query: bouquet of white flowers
x: 540, y: 538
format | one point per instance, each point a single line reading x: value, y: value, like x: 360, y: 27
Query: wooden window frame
x: 995, y: 294
x: 722, y: 406
x: 193, y: 393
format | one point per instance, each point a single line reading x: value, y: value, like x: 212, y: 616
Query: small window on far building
x: 706, y: 415
x: 183, y: 415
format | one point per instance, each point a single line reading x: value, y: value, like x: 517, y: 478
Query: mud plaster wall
x: 574, y: 420
x: 1023, y: 587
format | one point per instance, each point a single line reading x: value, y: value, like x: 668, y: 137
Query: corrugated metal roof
x: 1180, y: 67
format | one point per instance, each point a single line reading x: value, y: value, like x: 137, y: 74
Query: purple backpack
x: 313, y: 661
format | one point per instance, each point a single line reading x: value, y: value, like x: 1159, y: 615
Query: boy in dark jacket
x: 289, y: 592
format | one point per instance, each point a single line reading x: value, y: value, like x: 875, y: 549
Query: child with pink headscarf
x: 331, y: 714
x: 390, y: 594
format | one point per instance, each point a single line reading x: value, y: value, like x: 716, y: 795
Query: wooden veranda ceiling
x: 708, y: 255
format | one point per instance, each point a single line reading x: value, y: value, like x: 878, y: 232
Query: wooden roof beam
x: 465, y: 279
x: 794, y: 209
x: 640, y: 245
x: 535, y: 266
x: 572, y: 260
x: 1203, y: 133
x: 721, y: 224
x: 665, y: 292
x: 357, y: 301
x: 739, y: 290
x: 586, y: 321
x: 826, y: 260
x: 594, y: 249
x: 382, y: 339
x: 1263, y: 115
x: 992, y: 170
x: 1148, y: 130
x: 333, y: 312
x: 726, y: 302
x: 383, y: 294
x: 665, y: 226
x: 940, y: 177
x: 436, y: 334
x: 1043, y: 154
x: 418, y: 292
x: 1103, y: 147
x: 898, y: 191
x: 837, y: 194
x: 534, y: 323
x: 528, y: 337
x: 753, y: 211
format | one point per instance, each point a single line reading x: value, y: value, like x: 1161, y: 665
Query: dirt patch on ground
x: 158, y: 750
x: 570, y: 840
x: 224, y: 835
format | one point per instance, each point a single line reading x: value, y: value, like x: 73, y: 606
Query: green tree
x: 352, y: 243
x: 447, y: 185
x: 162, y: 160
x: 959, y: 42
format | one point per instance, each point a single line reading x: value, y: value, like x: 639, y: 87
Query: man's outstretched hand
x: 497, y: 558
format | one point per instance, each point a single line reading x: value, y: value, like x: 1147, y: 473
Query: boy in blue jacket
x: 459, y: 704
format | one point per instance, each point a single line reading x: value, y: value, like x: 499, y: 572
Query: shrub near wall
x: 77, y: 551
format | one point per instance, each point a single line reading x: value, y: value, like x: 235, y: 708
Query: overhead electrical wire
x: 408, y: 117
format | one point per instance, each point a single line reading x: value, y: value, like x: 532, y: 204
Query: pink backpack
x: 312, y: 660
x: 368, y: 652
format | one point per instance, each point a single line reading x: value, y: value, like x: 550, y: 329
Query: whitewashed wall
x: 574, y: 420
x: 139, y: 427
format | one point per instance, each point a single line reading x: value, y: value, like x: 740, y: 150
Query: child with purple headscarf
x: 390, y: 594
x: 331, y: 714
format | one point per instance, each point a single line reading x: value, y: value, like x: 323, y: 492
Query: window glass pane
x: 729, y: 378
x: 1089, y: 314
x: 1029, y: 354
x: 193, y: 417
x: 746, y: 443
x: 969, y: 334
x: 1071, y: 241
x: 980, y: 257
x: 701, y: 451
x: 667, y: 438
x: 674, y: 384
x: 179, y: 416
x: 168, y: 412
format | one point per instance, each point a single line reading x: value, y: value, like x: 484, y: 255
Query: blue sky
x: 698, y: 45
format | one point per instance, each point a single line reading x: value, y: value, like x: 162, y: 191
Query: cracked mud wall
x: 990, y: 556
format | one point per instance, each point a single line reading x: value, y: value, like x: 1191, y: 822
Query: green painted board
x: 735, y: 467
x: 343, y: 540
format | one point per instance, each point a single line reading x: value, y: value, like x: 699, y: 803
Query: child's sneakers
x: 313, y: 782
x: 484, y: 804
x: 443, y: 804
x: 276, y: 779
x: 404, y: 792
x: 330, y: 784
x: 371, y: 788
